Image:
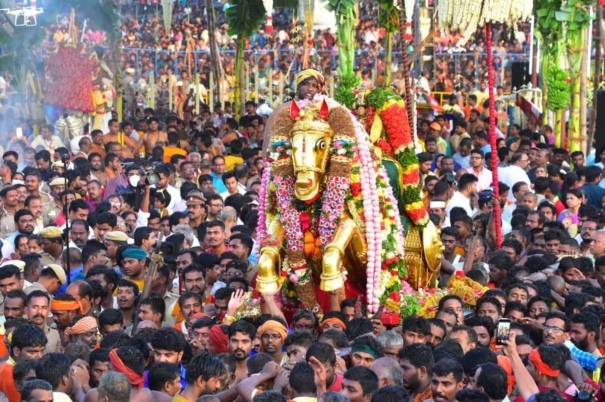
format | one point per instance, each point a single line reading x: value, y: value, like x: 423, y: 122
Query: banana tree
x: 389, y: 20
x: 576, y: 17
x: 244, y: 17
x: 345, y: 22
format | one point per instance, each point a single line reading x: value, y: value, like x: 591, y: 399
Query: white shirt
x: 459, y: 200
x: 511, y: 175
x: 485, y: 178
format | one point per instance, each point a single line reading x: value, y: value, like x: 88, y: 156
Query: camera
x: 147, y: 170
x: 583, y: 396
x: 65, y: 158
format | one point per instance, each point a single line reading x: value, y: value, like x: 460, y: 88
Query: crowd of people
x: 84, y: 321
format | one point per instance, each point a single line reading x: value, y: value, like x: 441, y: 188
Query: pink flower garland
x: 261, y: 229
x: 371, y: 211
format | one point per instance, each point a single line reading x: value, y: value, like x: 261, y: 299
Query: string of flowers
x: 261, y: 229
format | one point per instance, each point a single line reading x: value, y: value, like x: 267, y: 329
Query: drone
x: 26, y: 15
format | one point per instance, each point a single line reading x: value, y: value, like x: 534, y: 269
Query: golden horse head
x: 311, y: 137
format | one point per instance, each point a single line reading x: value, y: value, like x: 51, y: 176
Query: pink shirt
x: 485, y: 178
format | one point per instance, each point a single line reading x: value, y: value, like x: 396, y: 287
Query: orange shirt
x: 7, y: 384
x: 99, y: 150
x: 169, y: 151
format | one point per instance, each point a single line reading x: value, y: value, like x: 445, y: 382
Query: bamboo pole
x: 331, y: 86
x: 270, y: 87
x: 256, y: 82
x: 152, y: 90
x: 211, y: 92
x: 281, y: 87
x: 197, y: 94
x: 596, y: 79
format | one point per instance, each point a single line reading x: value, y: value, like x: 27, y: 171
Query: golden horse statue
x: 329, y: 211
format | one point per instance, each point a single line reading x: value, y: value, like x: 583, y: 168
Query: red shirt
x: 337, y: 385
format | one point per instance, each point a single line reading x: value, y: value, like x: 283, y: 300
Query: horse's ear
x: 324, y: 111
x: 294, y: 111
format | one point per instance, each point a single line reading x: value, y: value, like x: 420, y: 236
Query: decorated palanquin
x: 328, y: 215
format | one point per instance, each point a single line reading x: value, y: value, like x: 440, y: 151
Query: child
x: 162, y: 200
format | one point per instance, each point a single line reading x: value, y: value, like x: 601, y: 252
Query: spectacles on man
x: 548, y: 328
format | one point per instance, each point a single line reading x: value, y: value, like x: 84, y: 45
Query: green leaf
x: 563, y: 16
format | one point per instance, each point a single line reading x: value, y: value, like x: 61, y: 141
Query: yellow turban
x: 310, y: 73
x: 272, y: 325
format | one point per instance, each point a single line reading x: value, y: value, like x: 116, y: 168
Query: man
x: 515, y: 172
x: 463, y: 156
x: 388, y: 372
x: 447, y: 380
x: 99, y: 365
x: 126, y: 297
x: 114, y: 387
x: 53, y: 208
x: 47, y: 140
x: 24, y: 224
x: 151, y: 137
x: 129, y: 146
x: 544, y: 367
x: 14, y: 304
x: 50, y: 281
x: 36, y: 310
x: 204, y: 375
x: 33, y: 182
x: 134, y: 265
x: 10, y: 279
x: 491, y: 379
x: 95, y: 194
x: 215, y: 206
x: 215, y: 238
x: 241, y: 337
x: 152, y: 309
x: 96, y: 174
x: 93, y: 253
x: 84, y: 331
x: 64, y: 308
x: 34, y: 205
x: 82, y: 292
x: 79, y: 232
x: 36, y: 391
x: 52, y: 244
x: 415, y: 329
x: 359, y: 383
x: 231, y: 184
x: 585, y: 332
x: 218, y: 169
x: 145, y: 238
x: 465, y: 336
x: 113, y: 240
x: 591, y: 188
x: 483, y: 175
x: 272, y: 335
x: 10, y: 199
x: 241, y: 245
x: 28, y: 342
x: 196, y: 209
x: 467, y: 188
x: 416, y: 360
x: 168, y: 346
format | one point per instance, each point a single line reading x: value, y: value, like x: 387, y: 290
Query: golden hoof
x: 270, y: 286
x: 332, y: 284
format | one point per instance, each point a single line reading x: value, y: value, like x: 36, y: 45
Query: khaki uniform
x: 50, y: 211
x: 7, y: 224
x: 45, y: 198
x: 36, y: 286
x: 48, y: 259
x: 54, y: 340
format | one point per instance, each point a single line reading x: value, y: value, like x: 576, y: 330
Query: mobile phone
x: 502, y: 331
x: 19, y: 132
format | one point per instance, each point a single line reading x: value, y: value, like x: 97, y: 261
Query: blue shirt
x: 75, y: 274
x: 218, y: 184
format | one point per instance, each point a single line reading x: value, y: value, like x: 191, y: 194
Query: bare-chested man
x: 152, y: 136
x: 129, y: 146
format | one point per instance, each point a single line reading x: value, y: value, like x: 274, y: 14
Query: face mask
x: 134, y: 180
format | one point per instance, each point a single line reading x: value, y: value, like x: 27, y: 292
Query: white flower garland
x: 468, y: 15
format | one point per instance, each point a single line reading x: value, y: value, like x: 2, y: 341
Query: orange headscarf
x: 82, y: 326
x: 65, y: 305
x: 334, y: 320
x: 542, y: 367
x: 272, y: 325
x: 135, y: 379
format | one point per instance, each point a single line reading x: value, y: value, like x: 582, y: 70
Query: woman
x: 569, y: 216
x: 541, y: 172
x: 35, y: 244
x: 21, y: 246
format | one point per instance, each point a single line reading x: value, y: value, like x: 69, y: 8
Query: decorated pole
x: 492, y: 134
x: 407, y: 79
